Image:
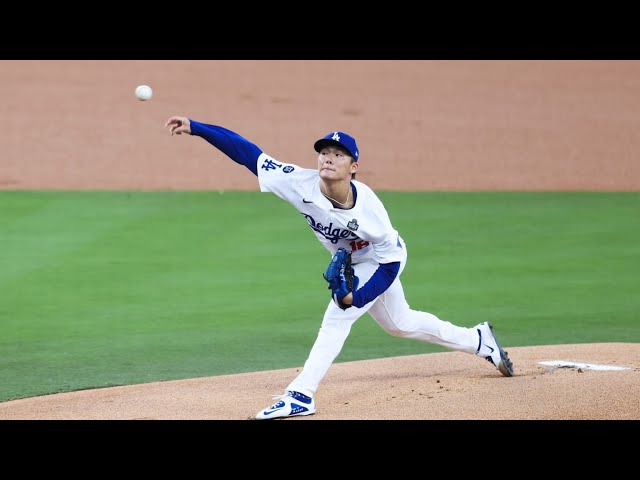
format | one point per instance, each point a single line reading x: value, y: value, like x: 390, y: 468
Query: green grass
x: 111, y: 288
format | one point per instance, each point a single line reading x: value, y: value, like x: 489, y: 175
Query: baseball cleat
x: 290, y: 404
x: 489, y: 348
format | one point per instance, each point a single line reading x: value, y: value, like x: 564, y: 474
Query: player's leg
x: 392, y: 312
x: 334, y: 330
x: 298, y: 398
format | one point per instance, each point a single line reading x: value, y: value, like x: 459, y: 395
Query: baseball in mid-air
x: 144, y: 92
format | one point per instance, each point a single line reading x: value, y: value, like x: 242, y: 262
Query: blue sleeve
x: 382, y: 279
x: 237, y: 148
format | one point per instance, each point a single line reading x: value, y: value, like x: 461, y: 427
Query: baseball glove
x: 341, y: 277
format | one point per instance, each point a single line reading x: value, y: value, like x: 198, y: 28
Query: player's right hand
x: 178, y: 125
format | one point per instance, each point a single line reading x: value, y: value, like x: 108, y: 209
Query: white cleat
x: 490, y: 349
x: 290, y: 404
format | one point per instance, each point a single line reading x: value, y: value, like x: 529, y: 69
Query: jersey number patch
x: 359, y: 245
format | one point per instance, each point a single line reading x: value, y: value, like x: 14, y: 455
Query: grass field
x: 112, y: 288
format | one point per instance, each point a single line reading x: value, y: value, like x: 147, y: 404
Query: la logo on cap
x: 342, y: 139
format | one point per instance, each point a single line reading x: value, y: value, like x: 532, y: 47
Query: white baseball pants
x: 392, y: 312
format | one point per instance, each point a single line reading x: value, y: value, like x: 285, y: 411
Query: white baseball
x: 144, y: 92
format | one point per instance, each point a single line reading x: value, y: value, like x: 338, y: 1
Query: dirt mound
x: 438, y: 386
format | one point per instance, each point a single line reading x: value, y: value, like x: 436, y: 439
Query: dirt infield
x: 438, y: 386
x: 421, y: 125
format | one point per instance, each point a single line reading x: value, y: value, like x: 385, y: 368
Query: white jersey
x: 364, y: 230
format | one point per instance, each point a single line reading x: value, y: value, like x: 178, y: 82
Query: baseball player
x: 345, y: 213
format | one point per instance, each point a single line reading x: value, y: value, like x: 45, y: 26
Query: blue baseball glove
x: 341, y: 277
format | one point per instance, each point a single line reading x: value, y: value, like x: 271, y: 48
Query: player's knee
x: 395, y: 332
x: 398, y: 329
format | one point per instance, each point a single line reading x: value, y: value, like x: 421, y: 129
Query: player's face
x: 334, y: 163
